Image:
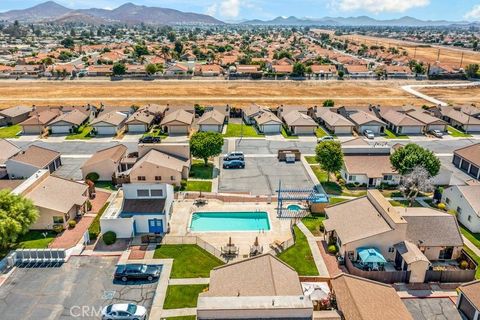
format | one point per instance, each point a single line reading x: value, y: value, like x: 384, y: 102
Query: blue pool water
x: 294, y: 207
x: 230, y: 221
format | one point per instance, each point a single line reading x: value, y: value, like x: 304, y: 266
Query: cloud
x: 474, y: 14
x: 378, y: 6
x: 212, y: 10
x: 225, y: 8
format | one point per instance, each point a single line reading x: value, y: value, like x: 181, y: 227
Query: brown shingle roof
x: 40, y: 118
x: 113, y: 118
x: 373, y: 166
x: 179, y: 116
x: 8, y: 150
x: 470, y: 153
x: 15, y: 111
x: 141, y: 116
x: 36, y: 156
x: 212, y: 117
x: 114, y: 153
x: 401, y: 119
x: 471, y: 290
x: 296, y: 118
x: 362, y: 117
x: 75, y: 117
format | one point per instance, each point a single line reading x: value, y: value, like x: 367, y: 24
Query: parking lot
x: 76, y: 290
x: 261, y: 176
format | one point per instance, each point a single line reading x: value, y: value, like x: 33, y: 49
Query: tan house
x: 468, y: 301
x: 34, y: 158
x: 267, y: 122
x: 14, y: 115
x: 44, y: 190
x: 140, y: 121
x: 402, y: 123
x: 9, y: 150
x: 468, y: 159
x: 429, y: 122
x: 211, y: 121
x: 38, y: 122
x: 109, y: 123
x: 299, y: 123
x: 159, y: 167
x: 366, y: 121
x: 262, y: 287
x: 178, y: 122
x: 105, y: 162
x: 68, y: 122
x: 333, y: 122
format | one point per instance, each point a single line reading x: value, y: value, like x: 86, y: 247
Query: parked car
x: 124, y: 311
x: 149, y: 139
x: 436, y: 133
x: 125, y: 272
x: 326, y: 138
x: 236, y: 155
x: 369, y: 134
x: 233, y: 164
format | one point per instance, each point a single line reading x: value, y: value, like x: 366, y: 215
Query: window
x: 391, y: 249
x: 141, y: 178
x: 156, y: 193
x: 459, y: 210
x: 172, y: 178
x: 388, y: 177
x: 143, y: 193
x: 352, y: 178
x: 158, y: 178
x: 469, y: 218
x: 58, y: 219
x: 447, y: 200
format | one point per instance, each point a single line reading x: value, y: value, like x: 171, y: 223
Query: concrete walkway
x: 167, y: 313
x: 471, y: 246
x: 317, y: 256
x: 187, y: 281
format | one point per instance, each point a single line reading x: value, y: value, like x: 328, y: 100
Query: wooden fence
x: 449, y: 275
x: 381, y: 276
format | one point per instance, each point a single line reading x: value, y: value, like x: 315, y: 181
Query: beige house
x: 465, y: 200
x: 140, y: 121
x: 366, y: 121
x: 333, y: 122
x: 468, y: 302
x: 211, y: 121
x: 14, y: 115
x: 68, y: 122
x: 109, y: 123
x: 44, y: 190
x: 38, y: 122
x: 299, y: 123
x: 9, y: 150
x: 178, y: 122
x: 34, y: 158
x: 105, y: 162
x: 262, y: 287
x: 467, y: 159
x: 267, y: 122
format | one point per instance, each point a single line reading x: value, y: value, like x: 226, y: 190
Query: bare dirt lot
x: 455, y: 96
x: 235, y: 93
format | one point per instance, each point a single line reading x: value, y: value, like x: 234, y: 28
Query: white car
x: 124, y: 311
x: 326, y: 138
x: 437, y: 133
x: 369, y: 134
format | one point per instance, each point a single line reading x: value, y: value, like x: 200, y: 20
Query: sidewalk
x: 317, y: 256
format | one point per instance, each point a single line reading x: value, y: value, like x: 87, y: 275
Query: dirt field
x: 238, y: 94
x: 455, y: 96
x: 451, y: 56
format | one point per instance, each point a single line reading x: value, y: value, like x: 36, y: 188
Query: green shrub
x: 89, y: 205
x: 341, y: 182
x: 332, y: 249
x: 463, y: 264
x: 94, y: 229
x: 93, y: 176
x: 109, y: 238
x: 441, y: 206
x: 58, y: 228
x: 321, y: 227
x: 72, y: 224
x: 338, y: 176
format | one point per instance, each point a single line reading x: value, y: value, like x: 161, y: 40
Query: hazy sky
x: 266, y: 9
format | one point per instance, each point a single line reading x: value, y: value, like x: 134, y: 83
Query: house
x: 248, y: 69
x: 140, y: 121
x: 468, y: 159
x: 159, y: 167
x: 363, y: 299
x: 359, y: 71
x: 211, y: 121
x: 324, y: 71
x: 177, y: 69
x: 105, y: 162
x: 465, y: 200
x: 282, y: 69
x: 468, y: 301
x: 430, y: 123
x: 34, y: 158
x: 136, y: 70
x: 208, y: 70
x: 262, y: 287
x: 299, y: 123
x: 45, y: 191
x: 109, y: 123
x: 402, y: 123
x: 69, y: 122
x: 366, y: 121
x: 407, y: 239
x: 99, y: 70
x: 137, y: 209
x: 9, y: 150
x: 460, y: 120
x: 368, y: 165
x: 178, y: 122
x: 395, y: 71
x: 267, y: 122
x: 14, y: 115
x: 335, y: 123
x: 31, y: 70
x: 39, y: 121
x: 252, y: 111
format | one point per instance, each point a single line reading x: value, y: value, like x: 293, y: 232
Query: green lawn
x: 473, y: 237
x: 474, y: 257
x: 312, y: 222
x: 198, y: 170
x: 105, y: 185
x: 321, y: 175
x: 35, y: 240
x: 299, y: 256
x: 404, y: 203
x: 205, y: 186
x: 189, y: 260
x: 457, y: 133
x: 286, y: 135
x: 183, y: 296
x: 321, y: 133
x: 94, y: 229
x: 235, y: 130
x: 334, y: 200
x: 156, y: 133
x: 10, y: 131
x: 333, y: 188
x: 311, y: 160
x: 84, y: 134
x: 391, y: 135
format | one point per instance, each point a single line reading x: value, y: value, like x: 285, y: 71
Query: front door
x: 371, y: 182
x: 155, y: 225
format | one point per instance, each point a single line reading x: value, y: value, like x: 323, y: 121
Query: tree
x: 17, y: 214
x: 299, y: 69
x: 406, y: 158
x: 178, y: 47
x: 151, y: 68
x: 68, y: 42
x: 140, y: 50
x: 472, y: 70
x: 119, y: 68
x: 204, y: 145
x: 418, y: 180
x: 341, y: 74
x: 330, y: 157
x: 328, y: 103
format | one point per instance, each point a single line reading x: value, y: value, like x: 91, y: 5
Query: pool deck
x: 279, y: 228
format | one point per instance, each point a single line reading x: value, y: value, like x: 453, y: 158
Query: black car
x: 150, y: 139
x: 234, y: 164
x: 126, y: 272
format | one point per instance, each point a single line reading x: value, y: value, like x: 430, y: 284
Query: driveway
x: 78, y: 289
x: 261, y: 176
x: 70, y: 168
x: 432, y: 308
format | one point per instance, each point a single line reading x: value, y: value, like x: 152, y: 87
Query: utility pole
x: 438, y: 55
x: 461, y: 60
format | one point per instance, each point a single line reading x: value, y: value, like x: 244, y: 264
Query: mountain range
x: 130, y: 13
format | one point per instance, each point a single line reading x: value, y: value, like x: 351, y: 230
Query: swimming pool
x: 230, y: 221
x: 294, y: 207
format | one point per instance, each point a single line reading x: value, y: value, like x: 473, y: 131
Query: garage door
x: 375, y: 129
x: 61, y: 129
x: 178, y: 129
x: 210, y: 127
x: 343, y: 130
x: 136, y: 128
x: 411, y: 130
x: 271, y: 128
x: 106, y: 130
x: 437, y: 127
x: 304, y: 130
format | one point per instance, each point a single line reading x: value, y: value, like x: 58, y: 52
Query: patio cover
x: 370, y: 255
